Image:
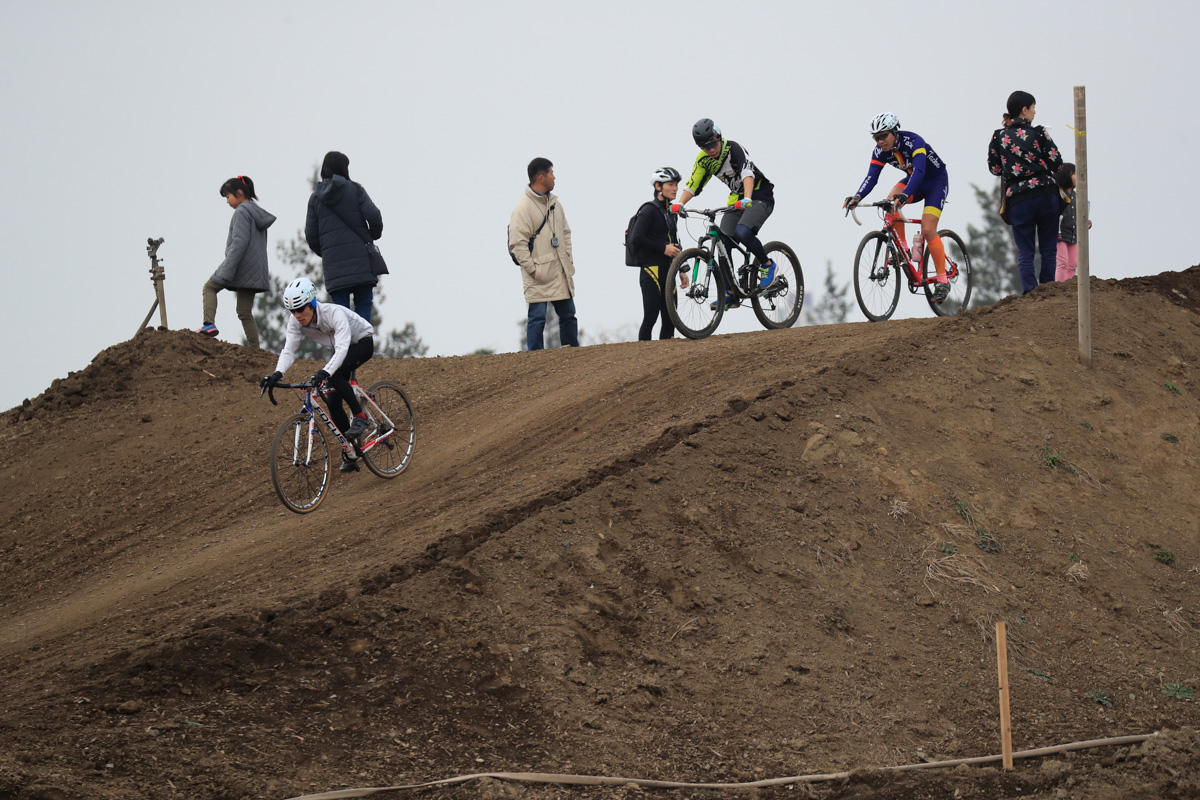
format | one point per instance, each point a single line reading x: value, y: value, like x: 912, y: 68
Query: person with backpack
x: 341, y: 221
x: 1068, y: 237
x: 652, y: 241
x: 1026, y: 159
x: 539, y: 242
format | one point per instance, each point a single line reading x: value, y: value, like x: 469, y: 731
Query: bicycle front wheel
x: 958, y: 270
x: 300, y: 463
x: 778, y: 306
x: 388, y: 444
x: 876, y: 277
x: 695, y: 293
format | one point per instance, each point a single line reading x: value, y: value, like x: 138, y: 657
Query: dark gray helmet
x: 705, y: 132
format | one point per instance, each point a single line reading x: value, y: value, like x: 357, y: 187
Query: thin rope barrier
x: 601, y: 780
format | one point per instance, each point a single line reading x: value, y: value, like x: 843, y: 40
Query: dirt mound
x: 753, y: 556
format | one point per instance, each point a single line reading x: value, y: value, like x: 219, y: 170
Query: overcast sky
x: 120, y: 121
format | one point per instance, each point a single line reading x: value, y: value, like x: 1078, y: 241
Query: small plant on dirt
x: 1172, y: 387
x: 1170, y: 437
x: 1074, y: 559
x: 1039, y: 674
x: 1164, y: 556
x: 1178, y: 691
x: 1051, y: 458
x: 949, y: 548
x: 985, y: 541
x: 1088, y: 425
x: 1101, y: 699
x: 963, y: 510
x: 898, y: 509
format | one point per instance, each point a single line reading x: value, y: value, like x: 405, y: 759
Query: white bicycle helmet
x: 887, y: 121
x: 298, y: 294
x: 666, y: 175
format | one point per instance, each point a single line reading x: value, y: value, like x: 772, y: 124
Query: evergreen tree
x: 993, y: 252
x: 833, y: 306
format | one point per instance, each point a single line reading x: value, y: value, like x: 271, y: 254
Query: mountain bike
x: 300, y: 464
x: 704, y: 282
x: 881, y: 257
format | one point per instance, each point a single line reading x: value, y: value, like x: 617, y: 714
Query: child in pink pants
x: 1068, y: 242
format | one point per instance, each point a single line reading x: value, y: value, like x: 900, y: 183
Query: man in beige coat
x: 540, y: 242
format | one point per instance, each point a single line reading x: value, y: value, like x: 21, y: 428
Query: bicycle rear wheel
x: 300, y: 463
x: 779, y: 305
x: 697, y: 308
x: 397, y: 427
x: 876, y: 277
x: 958, y: 269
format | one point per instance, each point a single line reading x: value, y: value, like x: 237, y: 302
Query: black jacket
x: 341, y: 249
x: 1026, y: 158
x: 1066, y: 230
x: 653, y: 229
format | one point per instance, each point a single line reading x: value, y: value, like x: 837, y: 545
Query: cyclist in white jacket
x: 353, y: 343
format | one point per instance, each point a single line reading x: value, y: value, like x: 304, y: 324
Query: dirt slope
x: 758, y: 555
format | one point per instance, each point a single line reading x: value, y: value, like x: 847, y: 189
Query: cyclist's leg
x: 935, y: 196
x: 897, y: 189
x: 357, y: 354
x: 667, y: 331
x: 741, y: 225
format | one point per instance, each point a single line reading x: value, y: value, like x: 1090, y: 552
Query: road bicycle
x: 300, y: 463
x: 703, y: 280
x: 881, y: 257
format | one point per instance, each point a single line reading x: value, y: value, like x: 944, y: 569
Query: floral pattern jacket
x: 1025, y: 158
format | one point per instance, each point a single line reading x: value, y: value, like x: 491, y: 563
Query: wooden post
x: 1006, y: 749
x: 1083, y: 273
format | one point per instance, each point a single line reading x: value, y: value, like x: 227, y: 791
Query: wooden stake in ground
x: 1006, y: 750
x: 1083, y: 272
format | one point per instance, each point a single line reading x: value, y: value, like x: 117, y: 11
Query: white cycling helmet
x: 666, y: 175
x: 298, y: 294
x: 887, y: 121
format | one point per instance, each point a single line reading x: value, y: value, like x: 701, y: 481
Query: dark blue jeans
x: 568, y: 326
x: 1036, y: 216
x: 364, y: 297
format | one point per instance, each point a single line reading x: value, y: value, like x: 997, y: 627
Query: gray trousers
x: 245, y: 310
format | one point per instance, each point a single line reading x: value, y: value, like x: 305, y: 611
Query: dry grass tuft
x: 1175, y: 619
x: 1078, y: 572
x: 957, y: 568
x: 899, y: 510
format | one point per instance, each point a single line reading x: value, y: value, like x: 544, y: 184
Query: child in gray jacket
x: 244, y: 269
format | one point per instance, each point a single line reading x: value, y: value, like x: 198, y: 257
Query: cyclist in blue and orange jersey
x: 353, y: 343
x: 750, y: 193
x: 927, y: 180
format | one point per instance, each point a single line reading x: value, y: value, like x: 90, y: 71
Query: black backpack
x: 630, y: 256
x: 532, y: 239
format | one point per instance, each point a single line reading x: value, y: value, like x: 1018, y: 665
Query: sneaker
x: 357, y: 428
x: 941, y: 290
x: 348, y: 465
x: 208, y: 330
x: 730, y: 302
x: 766, y: 274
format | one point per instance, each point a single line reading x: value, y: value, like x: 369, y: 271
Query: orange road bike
x: 300, y: 463
x: 882, y: 257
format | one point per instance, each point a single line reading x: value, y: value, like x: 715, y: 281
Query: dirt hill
x: 753, y: 556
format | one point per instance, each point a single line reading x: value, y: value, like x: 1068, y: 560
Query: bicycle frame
x: 314, y: 411
x: 722, y: 247
x: 900, y: 252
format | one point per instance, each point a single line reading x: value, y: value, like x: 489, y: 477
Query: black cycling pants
x: 654, y: 304
x: 357, y: 354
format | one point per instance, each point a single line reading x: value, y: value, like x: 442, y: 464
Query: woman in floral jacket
x: 1026, y: 159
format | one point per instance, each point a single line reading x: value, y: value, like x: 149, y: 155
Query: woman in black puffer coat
x: 337, y: 201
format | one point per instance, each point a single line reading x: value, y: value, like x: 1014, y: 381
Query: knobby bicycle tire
x: 779, y: 305
x: 300, y: 475
x: 876, y: 278
x: 389, y: 458
x: 689, y: 308
x: 960, y: 285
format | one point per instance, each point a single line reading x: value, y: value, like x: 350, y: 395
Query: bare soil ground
x: 748, y: 557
